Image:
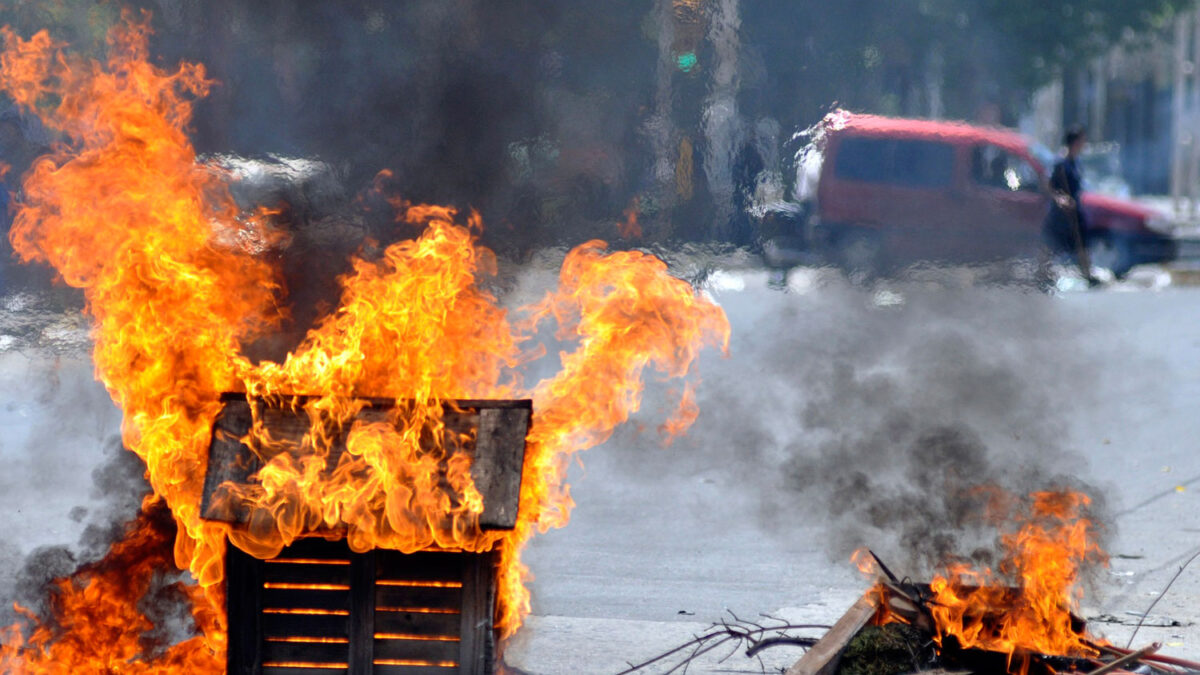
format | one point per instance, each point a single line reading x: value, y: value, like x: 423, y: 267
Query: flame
x: 1026, y: 604
x: 629, y: 228
x: 96, y: 618
x: 865, y: 562
x: 122, y: 209
x: 1044, y: 558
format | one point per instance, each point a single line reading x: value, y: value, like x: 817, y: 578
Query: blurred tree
x: 958, y: 58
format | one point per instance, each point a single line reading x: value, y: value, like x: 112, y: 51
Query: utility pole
x: 721, y: 122
x: 1179, y: 132
x: 1192, y: 119
x: 1099, y: 97
x: 660, y: 128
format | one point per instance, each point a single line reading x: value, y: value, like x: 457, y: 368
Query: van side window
x: 995, y: 167
x: 910, y: 163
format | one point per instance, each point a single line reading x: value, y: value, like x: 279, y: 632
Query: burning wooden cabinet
x: 318, y: 608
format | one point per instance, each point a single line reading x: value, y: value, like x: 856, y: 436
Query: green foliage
x: 890, y: 649
x: 876, y: 55
x: 81, y: 23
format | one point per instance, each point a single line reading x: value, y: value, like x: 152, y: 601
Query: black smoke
x: 891, y: 417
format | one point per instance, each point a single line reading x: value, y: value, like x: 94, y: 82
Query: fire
x: 98, y: 622
x: 175, y: 288
x: 1044, y: 557
x: 1026, y: 604
x: 629, y: 228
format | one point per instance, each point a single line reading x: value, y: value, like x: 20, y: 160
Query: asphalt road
x: 746, y: 515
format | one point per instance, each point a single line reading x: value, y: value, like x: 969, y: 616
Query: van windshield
x: 907, y: 162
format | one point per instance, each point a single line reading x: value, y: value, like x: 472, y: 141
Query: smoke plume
x: 888, y: 418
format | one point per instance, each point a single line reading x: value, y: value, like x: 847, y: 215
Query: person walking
x: 1064, y: 230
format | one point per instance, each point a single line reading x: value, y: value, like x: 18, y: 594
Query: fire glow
x: 168, y: 265
x: 1026, y: 603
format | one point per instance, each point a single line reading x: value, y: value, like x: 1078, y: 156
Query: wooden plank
x: 243, y: 587
x: 497, y: 466
x: 285, y: 428
x: 292, y: 573
x: 478, y: 610
x: 316, y: 547
x: 283, y: 625
x: 423, y: 565
x: 321, y: 652
x: 415, y: 623
x: 299, y: 400
x: 823, y: 657
x: 281, y: 598
x: 382, y: 668
x: 498, y: 428
x: 276, y: 670
x: 427, y: 650
x: 229, y: 461
x: 416, y: 596
x: 362, y: 613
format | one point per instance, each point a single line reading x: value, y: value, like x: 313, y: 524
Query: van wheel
x: 861, y: 255
x: 1111, y: 253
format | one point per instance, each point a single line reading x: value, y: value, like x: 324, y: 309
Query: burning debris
x: 177, y: 290
x: 1018, y: 618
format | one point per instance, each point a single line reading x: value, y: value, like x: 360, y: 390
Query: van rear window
x: 911, y: 163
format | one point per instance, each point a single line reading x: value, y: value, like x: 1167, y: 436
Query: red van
x: 890, y: 192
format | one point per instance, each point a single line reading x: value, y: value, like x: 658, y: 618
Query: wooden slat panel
x: 425, y: 566
x: 497, y: 465
x: 413, y: 623
x: 382, y: 669
x: 275, y: 572
x: 429, y: 650
x: 408, y: 596
x: 305, y: 651
x: 288, y: 599
x: 299, y: 624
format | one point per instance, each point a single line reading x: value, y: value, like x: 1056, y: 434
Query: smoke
x: 67, y: 478
x: 526, y: 111
x: 889, y: 419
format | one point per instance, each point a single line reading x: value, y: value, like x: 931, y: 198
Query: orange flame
x: 97, y: 620
x: 1026, y: 603
x: 122, y: 210
x: 629, y: 228
x: 1043, y: 559
x: 865, y: 562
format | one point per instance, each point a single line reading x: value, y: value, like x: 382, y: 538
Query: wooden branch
x: 1126, y: 660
